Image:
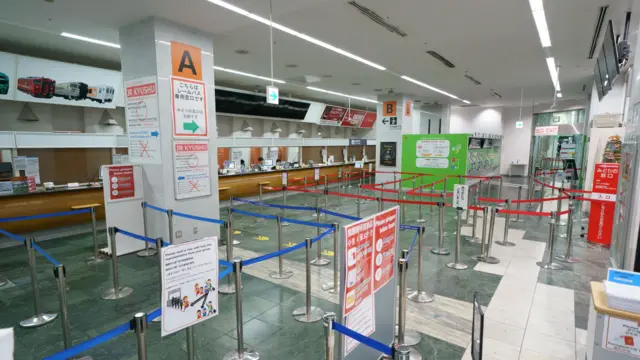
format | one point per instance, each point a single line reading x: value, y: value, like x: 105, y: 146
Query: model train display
x: 42, y: 87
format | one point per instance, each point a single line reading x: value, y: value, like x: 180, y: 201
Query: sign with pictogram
x: 189, y: 105
x: 121, y: 183
x: 273, y: 95
x: 143, y: 124
x: 603, y: 203
x: 192, y: 175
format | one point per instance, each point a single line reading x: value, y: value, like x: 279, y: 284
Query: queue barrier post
x: 241, y: 353
x: 421, y: 218
x: 457, y: 264
x: 140, y: 326
x: 159, y: 253
x: 402, y: 336
x: 334, y: 286
x: 308, y: 313
x: 59, y: 272
x: 560, y: 221
x: 260, y: 200
x: 419, y: 295
x: 359, y: 201
x: 567, y: 258
x: 229, y: 287
x: 329, y: 340
x: 326, y: 195
x: 431, y: 207
x: 444, y: 188
x: 319, y: 260
x: 401, y: 352
x: 117, y: 292
x: 40, y: 318
x: 403, y: 206
x: 316, y: 214
x: 505, y: 238
x: 548, y: 263
x: 97, y: 257
x: 281, y: 273
x: 542, y: 189
x: 284, y: 201
x: 440, y: 250
x: 486, y: 254
x: 380, y: 205
x: 500, y: 188
x: 305, y: 200
x: 517, y: 219
x: 480, y: 187
x: 395, y: 179
x: 474, y: 236
x: 147, y: 251
x: 191, y: 346
x: 339, y: 187
x: 172, y: 234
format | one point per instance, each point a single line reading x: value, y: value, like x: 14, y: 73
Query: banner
x: 369, y: 119
x: 603, y: 203
x: 332, y: 115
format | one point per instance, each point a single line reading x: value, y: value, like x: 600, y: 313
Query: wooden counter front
x: 246, y: 184
x: 46, y: 203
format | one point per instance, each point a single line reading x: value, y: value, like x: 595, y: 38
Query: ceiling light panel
x: 429, y: 87
x: 290, y: 31
x: 553, y: 71
x: 91, y: 40
x: 341, y: 94
x: 248, y: 75
x: 539, y: 17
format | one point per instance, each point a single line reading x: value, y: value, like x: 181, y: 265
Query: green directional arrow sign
x: 192, y: 126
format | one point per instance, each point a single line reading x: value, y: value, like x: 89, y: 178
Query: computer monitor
x: 229, y: 164
x: 268, y: 162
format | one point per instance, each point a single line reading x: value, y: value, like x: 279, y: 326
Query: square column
x: 172, y: 128
x: 395, y: 116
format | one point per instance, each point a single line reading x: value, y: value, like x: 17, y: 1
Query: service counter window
x: 355, y: 152
x: 62, y: 166
x: 336, y: 152
x: 312, y: 153
x: 370, y: 151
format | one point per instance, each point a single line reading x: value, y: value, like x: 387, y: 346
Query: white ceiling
x: 494, y: 40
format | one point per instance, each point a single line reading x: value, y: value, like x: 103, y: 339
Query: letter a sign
x: 186, y: 61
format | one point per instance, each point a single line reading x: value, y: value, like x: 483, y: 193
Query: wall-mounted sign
x: 357, y: 142
x: 369, y: 120
x: 273, y: 95
x: 388, y: 153
x: 546, y: 130
x: 192, y: 175
x: 122, y: 183
x: 143, y: 125
x: 189, y: 104
x: 519, y: 124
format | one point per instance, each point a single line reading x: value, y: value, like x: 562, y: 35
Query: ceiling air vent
x: 377, y: 19
x: 441, y: 58
x: 596, y: 32
x: 472, y: 79
x: 495, y: 94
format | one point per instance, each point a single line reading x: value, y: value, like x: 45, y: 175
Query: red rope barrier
x: 413, y: 202
x: 351, y: 196
x: 527, y: 213
x: 563, y: 212
x: 490, y: 200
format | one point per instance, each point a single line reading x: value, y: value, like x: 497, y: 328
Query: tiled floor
x: 530, y: 313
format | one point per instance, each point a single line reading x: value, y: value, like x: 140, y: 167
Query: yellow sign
x: 237, y: 232
x: 261, y: 238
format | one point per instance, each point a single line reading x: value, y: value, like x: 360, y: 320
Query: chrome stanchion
x: 334, y: 286
x: 59, y: 272
x: 339, y: 188
x: 440, y: 250
x: 97, y: 257
x: 359, y: 201
x: 39, y: 318
x: 140, y: 326
x: 147, y: 251
x: 117, y: 292
x: 474, y: 238
x: 403, y: 206
x: 191, y: 346
x: 380, y: 205
x: 284, y: 195
x: 260, y: 207
x: 505, y: 239
x: 229, y: 287
x: 421, y: 218
x: 480, y: 188
x: 517, y: 219
x: 326, y: 195
x: 500, y: 189
x: 308, y: 313
x: 542, y: 189
x: 317, y: 212
x: 305, y: 196
x: 329, y: 340
x: 567, y: 258
x: 560, y: 221
x: 172, y: 234
x: 486, y: 250
x: 241, y: 353
x: 549, y: 264
x: 159, y: 253
x: 402, y: 352
x: 419, y: 295
x: 395, y: 178
x: 319, y: 260
x: 456, y: 264
x: 444, y: 188
x: 229, y: 233
x: 403, y: 266
x: 431, y: 207
x: 281, y: 273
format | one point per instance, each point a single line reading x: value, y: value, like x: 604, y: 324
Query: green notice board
x: 436, y: 154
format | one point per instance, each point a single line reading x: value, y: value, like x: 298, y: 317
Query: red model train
x: 39, y: 87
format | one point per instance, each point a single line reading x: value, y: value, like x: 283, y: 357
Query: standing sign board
x: 123, y: 194
x: 143, y: 124
x: 189, y: 284
x: 192, y: 174
x: 461, y: 196
x: 368, y: 281
x: 603, y: 202
x: 273, y: 95
x: 316, y: 174
x: 285, y: 178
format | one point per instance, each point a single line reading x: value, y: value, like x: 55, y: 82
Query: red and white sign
x: 192, y: 174
x: 603, y: 203
x: 385, y: 246
x: 353, y: 118
x: 189, y: 104
x: 121, y: 183
x: 546, y: 130
x: 332, y: 115
x: 369, y: 120
x: 143, y: 125
x: 31, y: 180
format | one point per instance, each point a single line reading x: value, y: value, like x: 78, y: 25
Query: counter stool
x: 97, y: 257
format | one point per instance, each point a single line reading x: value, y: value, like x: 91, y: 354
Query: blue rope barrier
x: 336, y: 214
x: 154, y: 314
x: 372, y: 343
x: 307, y: 223
x: 225, y: 272
x: 257, y: 203
x: 322, y: 235
x: 87, y: 345
x: 261, y: 258
x: 412, y: 243
x: 44, y: 253
x: 158, y: 209
x: 248, y: 213
x: 277, y: 206
x: 225, y: 263
x: 12, y: 236
x: 199, y: 218
x: 409, y: 227
x: 44, y: 216
x: 138, y: 237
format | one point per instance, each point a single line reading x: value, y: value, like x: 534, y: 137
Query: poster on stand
x: 143, y: 124
x: 189, y: 284
x: 621, y: 336
x: 122, y: 183
x: 192, y: 174
x: 388, y: 153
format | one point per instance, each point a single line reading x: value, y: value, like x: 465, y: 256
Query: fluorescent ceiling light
x: 341, y: 94
x: 537, y: 9
x: 430, y: 87
x: 248, y: 75
x: 95, y: 41
x: 559, y: 94
x: 290, y: 31
x: 466, y: 102
x: 553, y: 71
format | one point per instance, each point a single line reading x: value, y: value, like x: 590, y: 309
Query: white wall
x: 475, y: 119
x: 516, y: 142
x: 612, y: 103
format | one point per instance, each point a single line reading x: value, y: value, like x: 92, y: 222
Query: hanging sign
x: 369, y: 119
x: 143, y: 124
x: 273, y: 95
x: 189, y: 284
x: 603, y: 203
x: 192, y: 175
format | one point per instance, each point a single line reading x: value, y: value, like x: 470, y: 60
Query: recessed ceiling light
x: 290, y: 31
x: 91, y: 40
x: 291, y: 66
x: 559, y: 94
x: 241, y: 52
x: 429, y: 87
x: 341, y: 94
x: 248, y: 74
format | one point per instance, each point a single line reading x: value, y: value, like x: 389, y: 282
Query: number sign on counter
x: 192, y: 175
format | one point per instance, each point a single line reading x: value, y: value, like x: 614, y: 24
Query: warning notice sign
x: 192, y: 174
x: 143, y: 125
x: 121, y: 182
